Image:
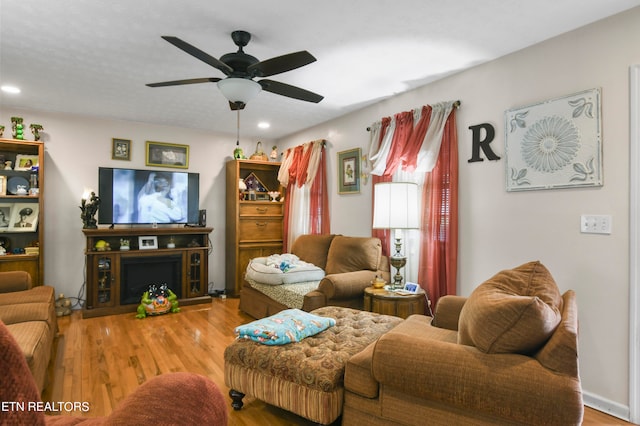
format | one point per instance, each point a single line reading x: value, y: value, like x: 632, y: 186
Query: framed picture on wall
x: 555, y: 144
x: 121, y: 149
x: 162, y: 154
x: 349, y: 171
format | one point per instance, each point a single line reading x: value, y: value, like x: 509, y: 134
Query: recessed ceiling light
x: 264, y: 125
x: 10, y: 89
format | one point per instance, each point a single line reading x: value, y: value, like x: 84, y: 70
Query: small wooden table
x: 388, y: 302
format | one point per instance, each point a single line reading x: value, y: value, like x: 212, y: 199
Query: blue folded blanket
x: 290, y: 325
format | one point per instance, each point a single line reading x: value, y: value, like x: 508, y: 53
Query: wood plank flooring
x: 102, y: 360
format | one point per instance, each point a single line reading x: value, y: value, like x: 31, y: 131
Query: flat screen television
x: 131, y: 196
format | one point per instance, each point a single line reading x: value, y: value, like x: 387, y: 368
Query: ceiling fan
x: 240, y: 68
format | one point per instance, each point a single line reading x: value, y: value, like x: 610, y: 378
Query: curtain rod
x: 456, y: 104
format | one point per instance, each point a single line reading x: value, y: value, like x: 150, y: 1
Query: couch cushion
x: 348, y: 254
x: 15, y: 281
x: 270, y: 270
x: 26, y: 312
x: 313, y: 248
x: 34, y: 339
x: 515, y: 311
x: 41, y: 293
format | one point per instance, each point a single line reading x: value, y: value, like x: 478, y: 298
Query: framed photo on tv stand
x: 147, y: 242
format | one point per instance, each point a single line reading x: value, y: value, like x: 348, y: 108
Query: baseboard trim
x: 606, y: 406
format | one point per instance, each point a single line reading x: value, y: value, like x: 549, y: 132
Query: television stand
x: 181, y: 259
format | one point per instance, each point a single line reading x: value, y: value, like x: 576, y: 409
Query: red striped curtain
x: 297, y: 161
x: 437, y: 270
x: 438, y: 265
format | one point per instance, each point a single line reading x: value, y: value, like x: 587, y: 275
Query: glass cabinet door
x: 105, y: 277
x: 196, y: 279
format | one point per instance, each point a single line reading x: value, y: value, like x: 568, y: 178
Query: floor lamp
x: 396, y: 207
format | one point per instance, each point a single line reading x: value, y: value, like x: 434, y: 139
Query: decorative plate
x: 14, y: 181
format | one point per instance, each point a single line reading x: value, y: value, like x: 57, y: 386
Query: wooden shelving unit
x: 19, y: 240
x: 254, y: 227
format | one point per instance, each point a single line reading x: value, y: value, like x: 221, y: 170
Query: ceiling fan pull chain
x: 238, y: 129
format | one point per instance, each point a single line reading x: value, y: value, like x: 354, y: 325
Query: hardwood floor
x: 101, y: 360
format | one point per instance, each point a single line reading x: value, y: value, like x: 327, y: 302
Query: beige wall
x: 499, y: 229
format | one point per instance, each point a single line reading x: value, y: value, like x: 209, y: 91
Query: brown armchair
x: 350, y: 264
x: 426, y: 371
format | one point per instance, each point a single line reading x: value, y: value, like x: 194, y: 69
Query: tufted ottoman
x: 305, y: 378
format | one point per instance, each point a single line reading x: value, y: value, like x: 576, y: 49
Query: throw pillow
x: 348, y: 254
x: 515, y: 311
x: 290, y: 325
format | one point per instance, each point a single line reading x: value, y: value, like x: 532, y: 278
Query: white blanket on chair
x: 282, y: 269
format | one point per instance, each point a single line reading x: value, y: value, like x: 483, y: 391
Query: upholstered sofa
x: 506, y: 355
x: 349, y: 263
x: 29, y: 313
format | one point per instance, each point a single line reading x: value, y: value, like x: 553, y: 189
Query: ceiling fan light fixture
x: 239, y: 89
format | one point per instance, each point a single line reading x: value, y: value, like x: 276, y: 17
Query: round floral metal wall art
x: 550, y: 144
x: 555, y: 144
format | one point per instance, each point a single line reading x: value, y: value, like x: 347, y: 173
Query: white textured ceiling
x: 94, y: 57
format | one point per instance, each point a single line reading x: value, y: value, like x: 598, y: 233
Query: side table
x: 387, y: 302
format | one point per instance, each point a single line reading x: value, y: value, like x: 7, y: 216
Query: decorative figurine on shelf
x: 259, y: 155
x: 1, y: 130
x: 102, y: 245
x: 17, y: 127
x: 124, y: 244
x: 7, y: 165
x: 238, y: 153
x: 172, y: 243
x: 89, y: 208
x: 274, y: 153
x: 241, y: 188
x: 35, y: 129
x: 273, y: 195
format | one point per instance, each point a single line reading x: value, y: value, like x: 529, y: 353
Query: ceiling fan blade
x: 197, y: 53
x: 181, y: 82
x: 280, y: 64
x: 236, y: 105
x: 290, y: 91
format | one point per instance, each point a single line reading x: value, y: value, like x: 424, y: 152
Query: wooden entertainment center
x: 117, y: 277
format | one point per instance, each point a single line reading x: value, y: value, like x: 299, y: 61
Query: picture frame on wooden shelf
x: 349, y: 171
x: 3, y: 185
x: 26, y: 162
x: 5, y: 216
x: 121, y: 149
x: 147, y: 242
x: 162, y: 154
x: 24, y: 217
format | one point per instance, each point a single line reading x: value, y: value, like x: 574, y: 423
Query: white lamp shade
x: 396, y: 206
x: 239, y: 89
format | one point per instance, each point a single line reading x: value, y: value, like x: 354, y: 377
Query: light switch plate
x: 595, y: 223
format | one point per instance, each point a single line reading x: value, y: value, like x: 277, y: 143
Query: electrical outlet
x: 595, y: 224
